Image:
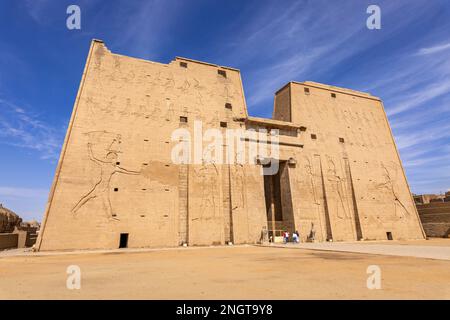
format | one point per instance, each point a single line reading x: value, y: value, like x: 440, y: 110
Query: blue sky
x: 406, y: 63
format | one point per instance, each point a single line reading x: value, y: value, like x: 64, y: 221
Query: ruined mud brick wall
x: 435, y: 217
x: 8, y: 220
x: 116, y: 176
x: 8, y: 240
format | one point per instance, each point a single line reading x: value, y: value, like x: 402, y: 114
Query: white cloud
x: 38, y: 10
x: 421, y: 96
x: 419, y: 137
x: 23, y: 129
x: 281, y: 44
x: 434, y: 49
x: 22, y: 193
x: 143, y: 28
x: 427, y: 160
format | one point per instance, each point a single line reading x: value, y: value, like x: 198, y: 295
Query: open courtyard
x: 233, y: 272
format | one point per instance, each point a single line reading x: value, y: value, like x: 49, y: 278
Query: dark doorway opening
x: 389, y: 236
x: 277, y: 193
x: 123, y: 243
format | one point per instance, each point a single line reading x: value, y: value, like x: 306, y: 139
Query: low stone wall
x: 31, y: 239
x: 435, y: 218
x: 30, y: 236
x: 8, y: 240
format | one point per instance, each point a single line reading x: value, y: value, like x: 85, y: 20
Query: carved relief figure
x: 212, y: 122
x: 169, y: 83
x: 239, y: 178
x: 338, y: 188
x: 389, y: 185
x: 198, y: 92
x: 155, y: 114
x: 207, y: 175
x: 312, y: 233
x: 315, y: 187
x: 109, y: 166
x: 309, y: 171
x: 170, y: 113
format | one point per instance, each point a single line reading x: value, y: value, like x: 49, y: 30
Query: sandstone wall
x: 116, y: 174
x: 349, y: 181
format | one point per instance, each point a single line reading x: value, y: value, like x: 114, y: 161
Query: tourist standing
x: 286, y: 237
x: 296, y: 237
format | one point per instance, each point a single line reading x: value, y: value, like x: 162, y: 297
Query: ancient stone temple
x: 325, y: 165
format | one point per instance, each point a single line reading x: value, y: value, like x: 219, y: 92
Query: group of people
x: 295, y: 237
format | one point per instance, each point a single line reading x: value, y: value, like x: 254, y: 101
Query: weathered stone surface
x: 8, y: 220
x: 339, y: 166
x: 435, y: 217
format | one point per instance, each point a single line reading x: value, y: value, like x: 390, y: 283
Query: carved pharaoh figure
x: 399, y: 208
x: 208, y: 177
x: 338, y: 188
x: 109, y: 166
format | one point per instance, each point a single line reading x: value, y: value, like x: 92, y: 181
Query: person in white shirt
x: 286, y: 237
x: 295, y: 237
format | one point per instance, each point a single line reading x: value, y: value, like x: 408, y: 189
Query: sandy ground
x: 239, y: 272
x: 430, y: 249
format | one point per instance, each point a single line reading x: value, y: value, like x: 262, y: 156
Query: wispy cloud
x: 434, y: 49
x: 38, y: 10
x: 23, y: 129
x: 421, y: 96
x: 418, y: 138
x: 302, y: 40
x: 278, y: 45
x: 22, y: 193
x: 296, y: 43
x: 405, y: 63
x: 144, y: 28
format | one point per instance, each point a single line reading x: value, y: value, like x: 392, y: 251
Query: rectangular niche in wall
x: 123, y: 243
